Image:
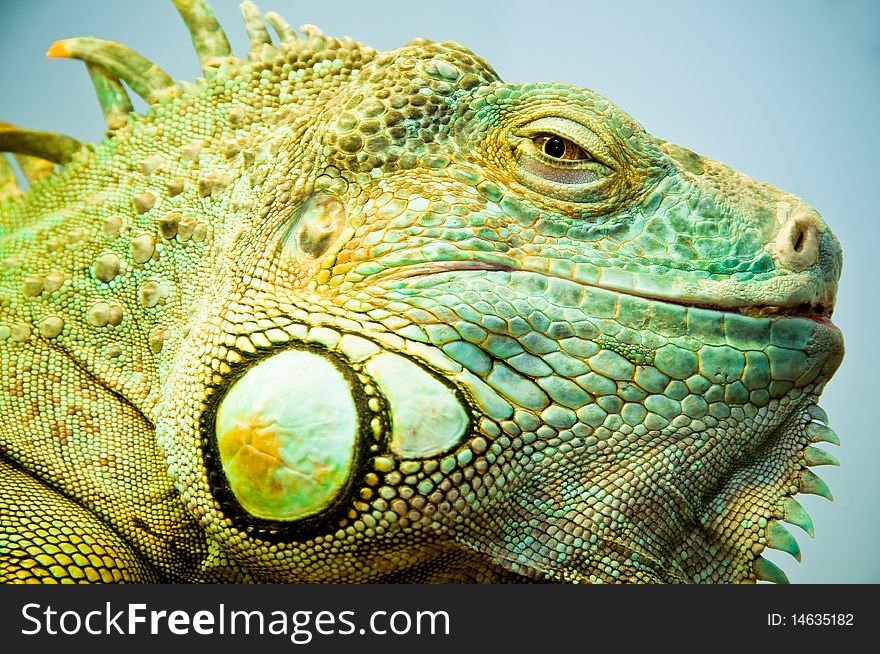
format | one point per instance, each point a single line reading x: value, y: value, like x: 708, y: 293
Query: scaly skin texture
x: 330, y: 314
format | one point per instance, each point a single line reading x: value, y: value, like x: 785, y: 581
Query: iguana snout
x: 796, y: 258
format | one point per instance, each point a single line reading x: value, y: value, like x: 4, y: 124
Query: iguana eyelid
x: 587, y: 181
x: 527, y: 147
x: 555, y: 171
x: 568, y: 129
x: 576, y: 180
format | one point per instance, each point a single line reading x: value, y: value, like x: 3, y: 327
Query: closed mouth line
x: 813, y: 311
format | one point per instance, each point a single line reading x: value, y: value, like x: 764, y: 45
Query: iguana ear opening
x: 315, y: 228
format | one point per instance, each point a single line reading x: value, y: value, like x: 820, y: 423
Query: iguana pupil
x: 555, y: 147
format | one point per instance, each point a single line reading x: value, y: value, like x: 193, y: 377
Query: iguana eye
x: 560, y: 157
x: 560, y: 148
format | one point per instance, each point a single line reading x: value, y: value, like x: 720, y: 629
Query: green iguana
x: 333, y: 314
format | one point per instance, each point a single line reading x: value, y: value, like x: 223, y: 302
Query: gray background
x: 786, y: 92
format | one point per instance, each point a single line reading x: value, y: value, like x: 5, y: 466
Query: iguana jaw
x: 754, y: 486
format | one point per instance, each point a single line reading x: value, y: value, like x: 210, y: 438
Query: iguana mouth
x: 818, y: 311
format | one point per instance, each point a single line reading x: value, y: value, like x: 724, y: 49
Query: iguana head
x: 454, y: 328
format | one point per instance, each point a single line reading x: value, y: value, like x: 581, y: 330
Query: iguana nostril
x: 797, y: 244
x: 798, y: 240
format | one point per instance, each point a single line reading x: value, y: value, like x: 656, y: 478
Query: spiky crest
x: 109, y: 64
